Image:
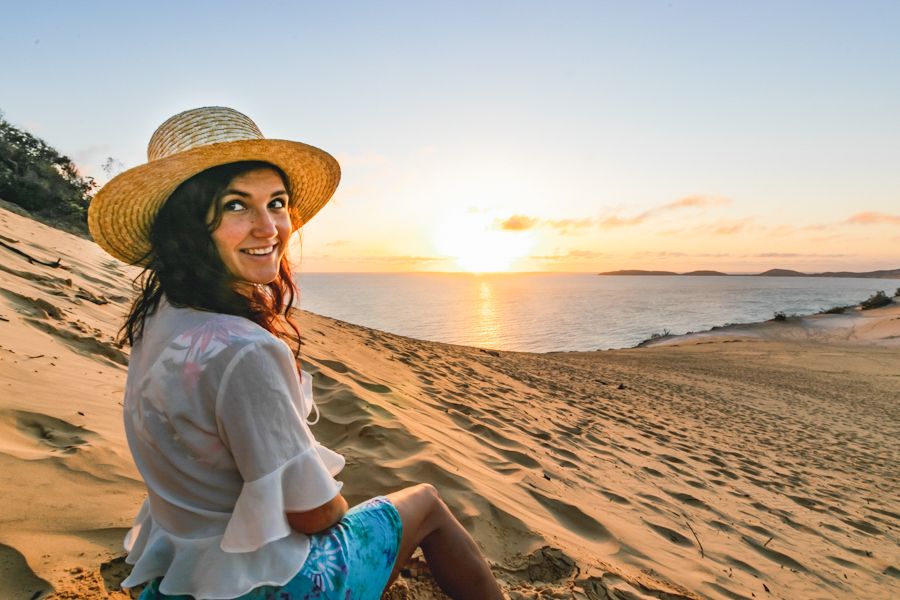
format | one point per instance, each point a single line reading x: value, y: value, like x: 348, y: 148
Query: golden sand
x: 752, y: 462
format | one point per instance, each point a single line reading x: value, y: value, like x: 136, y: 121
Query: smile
x: 259, y: 251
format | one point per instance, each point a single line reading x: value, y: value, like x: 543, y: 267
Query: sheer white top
x: 215, y: 416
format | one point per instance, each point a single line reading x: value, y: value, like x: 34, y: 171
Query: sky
x: 511, y: 136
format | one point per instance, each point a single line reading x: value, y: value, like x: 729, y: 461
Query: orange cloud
x: 517, y: 223
x: 695, y: 201
x: 873, y: 218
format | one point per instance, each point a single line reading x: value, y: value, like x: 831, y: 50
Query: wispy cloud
x: 567, y: 226
x: 572, y: 255
x: 721, y: 227
x: 730, y: 228
x: 795, y: 255
x: 668, y: 254
x: 873, y: 218
x: 695, y: 201
x: 615, y: 221
x: 392, y: 260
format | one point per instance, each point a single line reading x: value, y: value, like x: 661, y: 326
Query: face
x: 255, y: 228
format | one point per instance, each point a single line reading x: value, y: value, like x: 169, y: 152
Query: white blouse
x: 215, y: 416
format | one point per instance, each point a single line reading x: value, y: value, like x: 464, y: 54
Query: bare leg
x: 450, y: 551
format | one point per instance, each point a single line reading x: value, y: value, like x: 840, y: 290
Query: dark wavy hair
x: 185, y: 265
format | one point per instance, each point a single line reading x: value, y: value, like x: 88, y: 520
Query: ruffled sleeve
x: 258, y: 411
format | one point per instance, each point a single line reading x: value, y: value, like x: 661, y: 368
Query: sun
x: 476, y: 247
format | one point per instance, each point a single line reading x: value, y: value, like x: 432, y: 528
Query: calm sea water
x: 541, y: 312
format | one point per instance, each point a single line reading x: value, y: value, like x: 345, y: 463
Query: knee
x: 428, y: 491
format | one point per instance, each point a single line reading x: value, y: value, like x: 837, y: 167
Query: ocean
x: 543, y: 312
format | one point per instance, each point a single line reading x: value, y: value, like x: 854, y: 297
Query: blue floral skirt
x: 352, y: 560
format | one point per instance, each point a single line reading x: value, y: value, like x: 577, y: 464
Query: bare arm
x: 318, y: 519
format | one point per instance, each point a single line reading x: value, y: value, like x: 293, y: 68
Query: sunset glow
x: 678, y: 136
x: 475, y: 247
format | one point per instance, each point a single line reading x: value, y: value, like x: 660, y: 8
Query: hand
x: 318, y: 519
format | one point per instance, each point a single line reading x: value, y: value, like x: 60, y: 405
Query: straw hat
x: 122, y: 212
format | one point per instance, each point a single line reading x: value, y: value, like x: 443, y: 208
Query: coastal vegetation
x: 37, y: 178
x: 881, y: 274
x: 876, y: 300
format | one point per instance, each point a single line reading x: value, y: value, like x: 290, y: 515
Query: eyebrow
x: 233, y: 192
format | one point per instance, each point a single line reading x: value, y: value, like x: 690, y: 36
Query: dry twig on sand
x: 32, y: 259
x: 688, y: 523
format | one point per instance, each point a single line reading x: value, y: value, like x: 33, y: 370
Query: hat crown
x: 200, y: 127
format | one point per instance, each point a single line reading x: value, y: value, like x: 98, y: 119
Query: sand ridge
x: 721, y: 467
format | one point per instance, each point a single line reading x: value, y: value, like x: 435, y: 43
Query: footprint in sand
x: 863, y: 526
x: 391, y: 442
x: 17, y: 580
x: 572, y: 518
x: 810, y: 503
x: 723, y: 527
x: 59, y: 435
x: 651, y: 471
x: 847, y: 564
x: 322, y: 382
x: 670, y: 534
x: 83, y: 344
x: 372, y: 387
x: 776, y: 557
x: 518, y: 458
x: 34, y: 307
x: 613, y: 497
x: 749, y: 569
x: 337, y: 367
x: 689, y: 500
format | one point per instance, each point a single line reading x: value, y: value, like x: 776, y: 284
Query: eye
x: 278, y: 203
x: 233, y: 206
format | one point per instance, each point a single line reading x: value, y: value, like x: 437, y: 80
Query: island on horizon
x: 883, y: 274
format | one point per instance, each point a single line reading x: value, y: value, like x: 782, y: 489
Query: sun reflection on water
x: 486, y: 327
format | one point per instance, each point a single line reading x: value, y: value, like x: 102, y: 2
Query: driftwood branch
x: 32, y: 259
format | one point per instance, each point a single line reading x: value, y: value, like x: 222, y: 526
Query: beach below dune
x: 736, y: 464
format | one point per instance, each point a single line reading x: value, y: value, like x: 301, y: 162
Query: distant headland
x: 884, y: 274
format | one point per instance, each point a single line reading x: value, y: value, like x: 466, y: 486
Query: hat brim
x: 122, y: 212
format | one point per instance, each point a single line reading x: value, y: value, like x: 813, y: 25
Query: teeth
x: 259, y: 251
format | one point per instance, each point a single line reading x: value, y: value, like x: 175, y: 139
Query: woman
x: 242, y: 500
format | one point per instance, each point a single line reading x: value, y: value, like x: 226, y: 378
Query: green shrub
x: 835, y: 310
x: 875, y: 300
x: 36, y: 177
x: 779, y: 316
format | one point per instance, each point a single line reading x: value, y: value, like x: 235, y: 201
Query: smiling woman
x: 478, y: 247
x: 253, y: 226
x: 242, y: 499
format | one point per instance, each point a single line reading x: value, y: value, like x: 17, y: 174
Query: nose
x: 264, y: 224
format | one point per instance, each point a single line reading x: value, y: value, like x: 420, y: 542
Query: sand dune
x: 734, y: 465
